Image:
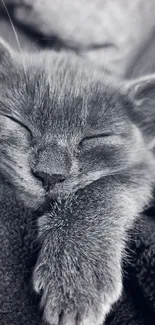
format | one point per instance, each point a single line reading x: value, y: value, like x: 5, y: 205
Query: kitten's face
x: 62, y: 127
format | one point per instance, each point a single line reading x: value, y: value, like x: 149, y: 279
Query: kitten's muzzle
x: 49, y: 181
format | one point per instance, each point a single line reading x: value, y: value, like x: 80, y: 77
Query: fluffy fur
x: 70, y: 139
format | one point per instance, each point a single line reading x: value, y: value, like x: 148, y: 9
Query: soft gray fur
x: 70, y: 138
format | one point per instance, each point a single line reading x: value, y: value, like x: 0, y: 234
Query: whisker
x: 16, y: 36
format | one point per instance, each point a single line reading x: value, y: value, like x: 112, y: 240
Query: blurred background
x: 116, y: 35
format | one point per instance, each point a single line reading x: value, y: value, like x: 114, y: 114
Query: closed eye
x: 96, y: 136
x: 19, y: 122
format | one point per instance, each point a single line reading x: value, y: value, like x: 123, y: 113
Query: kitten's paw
x: 67, y: 306
x: 78, y: 284
x: 92, y: 315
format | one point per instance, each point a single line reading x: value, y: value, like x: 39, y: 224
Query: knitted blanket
x: 137, y: 305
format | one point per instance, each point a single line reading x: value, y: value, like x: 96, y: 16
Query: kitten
x: 69, y: 138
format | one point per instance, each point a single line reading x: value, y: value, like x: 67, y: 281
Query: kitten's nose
x: 49, y: 181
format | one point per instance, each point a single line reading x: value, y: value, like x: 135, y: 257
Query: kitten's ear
x: 5, y: 53
x: 142, y: 94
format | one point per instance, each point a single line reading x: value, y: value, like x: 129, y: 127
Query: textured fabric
x: 137, y: 305
x: 18, y: 306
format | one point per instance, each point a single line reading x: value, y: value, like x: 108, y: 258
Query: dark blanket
x: 18, y: 253
x: 137, y: 305
x: 18, y: 305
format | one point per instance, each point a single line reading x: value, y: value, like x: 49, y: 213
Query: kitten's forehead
x: 63, y: 96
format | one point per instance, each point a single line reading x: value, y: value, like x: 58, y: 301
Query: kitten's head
x: 63, y: 126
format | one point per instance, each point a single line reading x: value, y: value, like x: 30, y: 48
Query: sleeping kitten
x: 69, y: 138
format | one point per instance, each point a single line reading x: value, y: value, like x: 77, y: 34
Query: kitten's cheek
x: 32, y: 199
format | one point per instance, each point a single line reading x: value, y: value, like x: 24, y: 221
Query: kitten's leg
x: 79, y: 279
